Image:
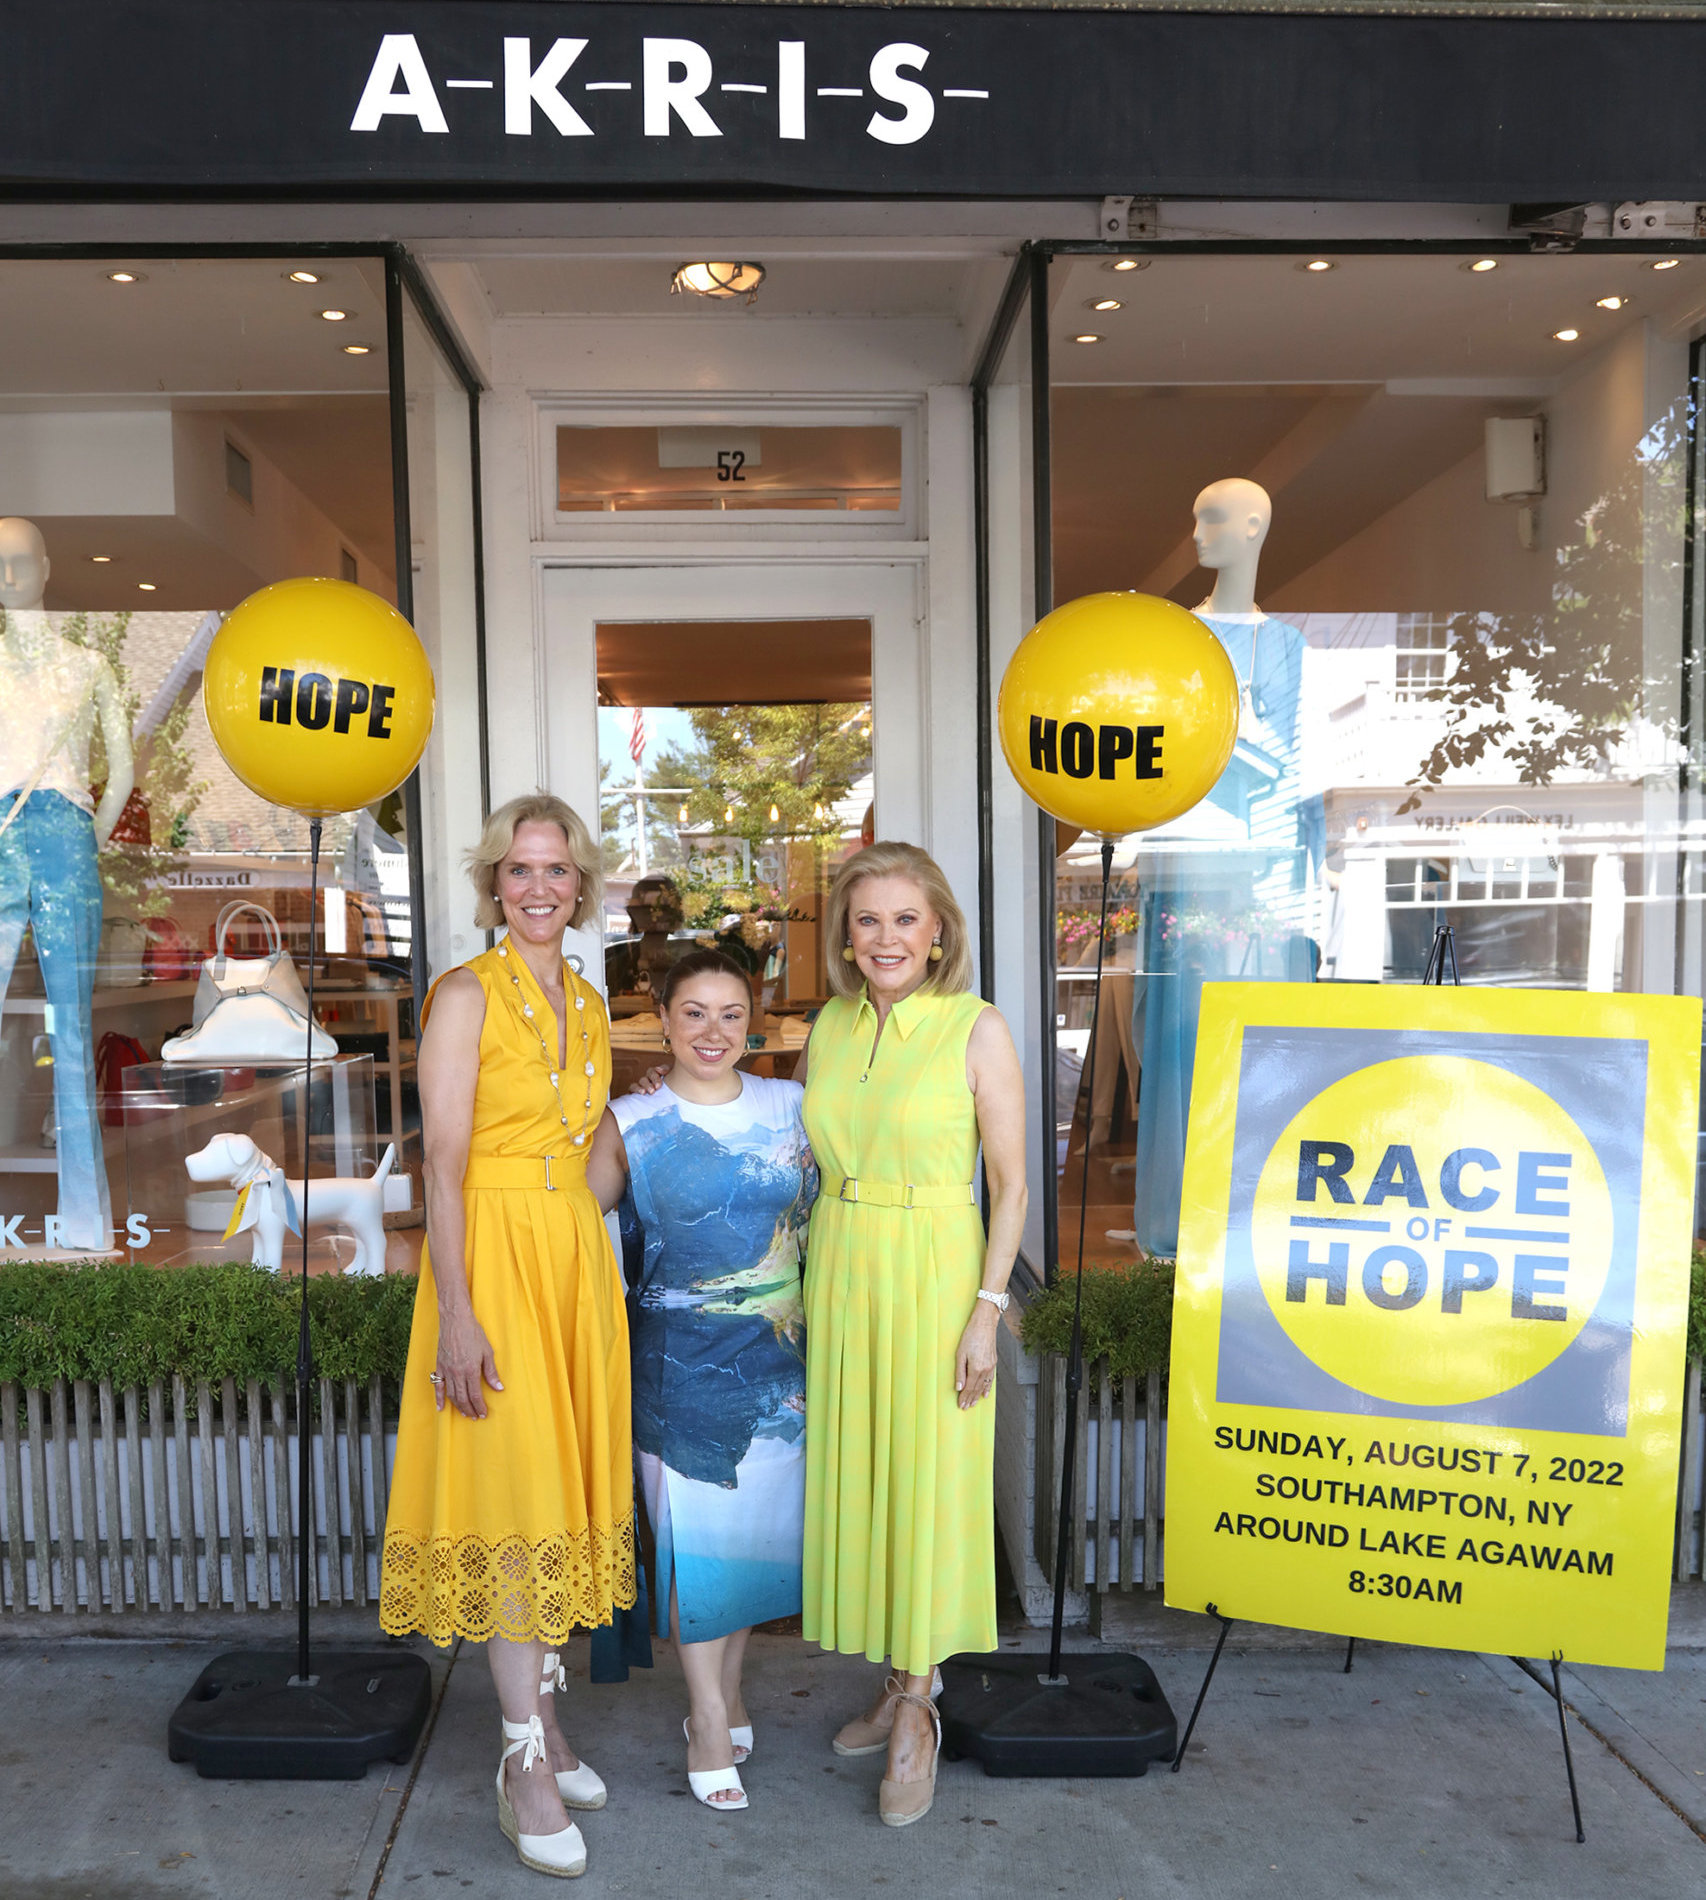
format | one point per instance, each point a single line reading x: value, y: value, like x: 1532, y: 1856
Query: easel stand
x: 1097, y: 1713
x: 250, y: 1715
x: 1442, y: 953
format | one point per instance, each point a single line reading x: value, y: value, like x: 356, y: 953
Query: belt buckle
x: 849, y: 1181
x: 907, y: 1200
x: 549, y: 1187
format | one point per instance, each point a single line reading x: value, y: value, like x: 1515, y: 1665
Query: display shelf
x: 20, y: 1157
x: 179, y: 989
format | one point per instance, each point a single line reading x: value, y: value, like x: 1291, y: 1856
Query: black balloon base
x: 1108, y: 1718
x: 247, y: 1718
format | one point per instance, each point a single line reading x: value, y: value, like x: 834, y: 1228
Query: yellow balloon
x: 1118, y: 712
x: 319, y: 695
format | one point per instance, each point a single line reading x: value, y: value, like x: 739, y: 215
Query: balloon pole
x: 304, y: 1339
x: 1075, y: 1350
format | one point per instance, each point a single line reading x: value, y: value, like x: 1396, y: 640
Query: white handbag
x: 248, y: 1009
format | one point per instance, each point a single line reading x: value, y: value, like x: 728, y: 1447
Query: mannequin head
x: 24, y: 566
x: 1233, y: 518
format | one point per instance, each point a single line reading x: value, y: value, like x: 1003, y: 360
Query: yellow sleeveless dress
x: 900, y: 1516
x: 521, y: 1524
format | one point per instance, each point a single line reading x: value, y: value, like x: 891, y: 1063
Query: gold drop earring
x: 847, y: 955
x: 936, y: 951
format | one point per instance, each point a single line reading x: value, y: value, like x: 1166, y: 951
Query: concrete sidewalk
x: 1423, y: 1773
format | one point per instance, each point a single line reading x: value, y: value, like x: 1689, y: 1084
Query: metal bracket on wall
x: 1660, y: 219
x: 1125, y: 218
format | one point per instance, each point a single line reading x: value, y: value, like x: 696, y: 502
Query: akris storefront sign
x: 676, y: 86
x: 524, y: 98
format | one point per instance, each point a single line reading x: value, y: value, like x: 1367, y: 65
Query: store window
x: 174, y: 434
x: 735, y: 777
x: 1461, y: 626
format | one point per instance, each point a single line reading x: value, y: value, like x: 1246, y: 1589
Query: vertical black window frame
x: 409, y: 297
x: 1042, y: 569
x: 1009, y: 512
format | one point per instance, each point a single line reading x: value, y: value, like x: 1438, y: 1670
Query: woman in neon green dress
x: 908, y: 1072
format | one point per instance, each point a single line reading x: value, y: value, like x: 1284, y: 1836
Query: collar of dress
x: 905, y: 1015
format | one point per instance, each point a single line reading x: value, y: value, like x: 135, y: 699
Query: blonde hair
x: 533, y: 808
x: 889, y: 858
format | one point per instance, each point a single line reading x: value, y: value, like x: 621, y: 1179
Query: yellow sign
x: 319, y: 695
x: 1428, y: 1327
x: 1118, y: 712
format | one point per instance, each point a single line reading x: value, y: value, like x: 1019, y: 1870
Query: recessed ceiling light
x: 124, y: 277
x: 302, y: 276
x: 1565, y: 336
x: 101, y: 559
x: 334, y: 316
x: 1480, y: 265
x: 1087, y: 336
x: 358, y: 349
x: 1129, y: 263
x: 1610, y: 303
x: 1104, y: 303
x: 1319, y: 264
x: 1664, y: 263
x: 146, y: 587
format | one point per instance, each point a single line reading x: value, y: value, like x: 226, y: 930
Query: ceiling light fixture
x: 1481, y: 265
x: 124, y: 277
x: 1319, y: 264
x: 1087, y: 336
x: 1129, y: 263
x: 101, y: 560
x: 1664, y: 263
x: 718, y: 280
x: 1104, y: 303
x: 301, y: 276
x: 1610, y: 303
x: 358, y: 349
x: 334, y: 316
x: 1565, y: 336
x: 146, y: 587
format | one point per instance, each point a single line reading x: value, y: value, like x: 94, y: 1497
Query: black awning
x: 401, y: 98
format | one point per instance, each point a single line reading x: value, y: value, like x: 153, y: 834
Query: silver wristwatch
x: 997, y: 1300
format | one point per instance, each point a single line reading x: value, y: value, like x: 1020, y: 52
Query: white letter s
x: 886, y: 83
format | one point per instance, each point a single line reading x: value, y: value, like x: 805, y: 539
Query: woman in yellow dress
x: 511, y: 1519
x: 908, y: 1072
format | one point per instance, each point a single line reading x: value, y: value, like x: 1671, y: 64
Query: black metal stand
x: 248, y: 1716
x: 1564, y: 1736
x: 1350, y: 1654
x: 1106, y: 1715
x: 1444, y: 949
x: 1225, y: 1623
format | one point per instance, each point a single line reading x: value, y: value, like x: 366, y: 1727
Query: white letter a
x: 399, y: 57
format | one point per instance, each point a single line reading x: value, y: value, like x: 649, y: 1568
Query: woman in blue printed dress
x: 716, y: 1182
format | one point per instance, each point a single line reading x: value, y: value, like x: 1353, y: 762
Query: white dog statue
x: 269, y: 1204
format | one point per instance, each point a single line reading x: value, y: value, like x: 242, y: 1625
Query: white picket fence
x: 1118, y: 1509
x: 123, y: 1502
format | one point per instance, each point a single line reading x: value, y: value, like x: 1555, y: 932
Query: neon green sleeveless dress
x: 900, y: 1520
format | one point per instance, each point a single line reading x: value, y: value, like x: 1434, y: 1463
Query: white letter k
x: 525, y: 88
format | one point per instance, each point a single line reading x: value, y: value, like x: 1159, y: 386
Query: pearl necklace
x: 589, y: 1065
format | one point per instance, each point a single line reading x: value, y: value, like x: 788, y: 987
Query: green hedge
x: 135, y: 1324
x: 1128, y: 1315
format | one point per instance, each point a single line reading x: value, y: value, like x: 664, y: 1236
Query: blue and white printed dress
x: 713, y: 1228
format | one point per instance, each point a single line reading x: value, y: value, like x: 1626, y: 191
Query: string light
x: 683, y: 814
x: 775, y: 815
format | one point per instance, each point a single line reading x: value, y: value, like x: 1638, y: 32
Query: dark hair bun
x: 703, y: 963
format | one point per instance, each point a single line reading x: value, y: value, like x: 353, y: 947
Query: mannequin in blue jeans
x: 51, y: 694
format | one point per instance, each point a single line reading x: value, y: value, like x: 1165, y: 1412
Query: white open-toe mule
x: 705, y: 1782
x: 562, y: 1853
x: 581, y: 1787
x: 740, y: 1739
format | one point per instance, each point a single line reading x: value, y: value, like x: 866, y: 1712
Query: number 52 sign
x: 1428, y: 1325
